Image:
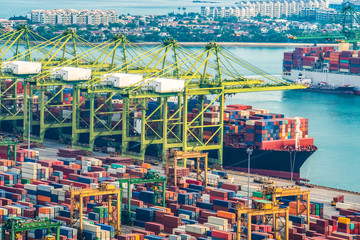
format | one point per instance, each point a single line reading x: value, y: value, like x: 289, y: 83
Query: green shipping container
x: 115, y: 166
x: 25, y: 181
x: 257, y: 194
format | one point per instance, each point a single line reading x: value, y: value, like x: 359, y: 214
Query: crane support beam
x: 103, y: 190
x: 131, y: 181
x: 273, y: 211
x: 15, y: 225
x: 278, y: 192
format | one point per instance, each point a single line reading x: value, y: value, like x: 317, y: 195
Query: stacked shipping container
x: 316, y: 58
x: 258, y: 128
x: 192, y: 211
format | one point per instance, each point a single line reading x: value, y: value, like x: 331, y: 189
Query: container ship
x: 323, y: 69
x: 280, y: 145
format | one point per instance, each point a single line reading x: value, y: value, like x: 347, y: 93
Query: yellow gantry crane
x: 209, y: 73
x: 104, y: 189
x: 269, y: 211
x: 175, y: 155
x: 278, y: 192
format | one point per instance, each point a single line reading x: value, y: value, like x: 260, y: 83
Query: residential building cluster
x: 321, y: 15
x: 265, y: 8
x: 183, y: 27
x: 5, y: 23
x: 71, y: 16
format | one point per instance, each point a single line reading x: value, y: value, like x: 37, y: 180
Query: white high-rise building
x: 71, y: 16
x: 266, y: 8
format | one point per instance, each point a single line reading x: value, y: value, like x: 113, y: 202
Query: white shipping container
x: 194, y: 228
x: 28, y: 176
x: 123, y: 79
x: 217, y: 227
x: 218, y: 221
x: 110, y: 149
x: 103, y: 234
x: 66, y: 187
x: 212, y: 120
x: 250, y: 122
x: 30, y: 165
x: 29, y: 171
x: 3, y: 169
x: 137, y: 126
x: 71, y: 74
x: 116, y: 117
x: 29, y: 186
x: 184, y: 216
x: 120, y: 170
x: 15, y: 170
x: 179, y: 229
x: 163, y: 85
x: 22, y: 67
x: 243, y: 193
x: 6, y: 211
x: 45, y: 188
x: 252, y: 188
x: 174, y: 237
x: 67, y: 114
x: 205, y: 198
x: 186, y: 236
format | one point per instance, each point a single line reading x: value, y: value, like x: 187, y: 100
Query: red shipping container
x: 154, y: 227
x: 221, y: 234
x: 218, y: 193
x: 229, y: 186
x: 207, y: 214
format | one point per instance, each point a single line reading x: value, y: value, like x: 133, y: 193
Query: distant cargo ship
x: 201, y: 1
x: 323, y: 69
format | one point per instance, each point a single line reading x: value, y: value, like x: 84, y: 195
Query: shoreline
x: 222, y: 44
x: 241, y: 44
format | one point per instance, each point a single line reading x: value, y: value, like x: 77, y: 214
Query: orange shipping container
x: 76, y: 166
x: 227, y: 215
x: 44, y: 210
x: 146, y: 165
x: 168, y: 210
x: 43, y: 198
x: 293, y: 205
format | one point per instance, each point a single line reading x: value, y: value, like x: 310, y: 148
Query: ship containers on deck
x: 309, y: 58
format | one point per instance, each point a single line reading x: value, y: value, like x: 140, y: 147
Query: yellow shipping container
x: 344, y: 220
x: 137, y: 237
x: 168, y: 210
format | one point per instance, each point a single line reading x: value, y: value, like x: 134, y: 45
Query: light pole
x: 29, y: 120
x: 249, y: 152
